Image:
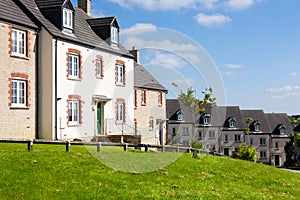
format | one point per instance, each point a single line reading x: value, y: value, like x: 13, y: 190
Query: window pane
x: 21, y: 42
x: 14, y: 41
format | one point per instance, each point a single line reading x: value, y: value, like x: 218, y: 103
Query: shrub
x: 246, y: 152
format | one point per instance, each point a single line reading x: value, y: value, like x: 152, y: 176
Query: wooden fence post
x: 30, y: 145
x: 99, y: 147
x: 68, y: 146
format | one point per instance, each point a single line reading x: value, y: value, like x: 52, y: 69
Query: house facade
x: 224, y: 128
x: 85, y: 75
x: 18, y: 82
x: 149, y: 105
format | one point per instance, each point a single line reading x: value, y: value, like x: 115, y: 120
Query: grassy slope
x: 51, y: 173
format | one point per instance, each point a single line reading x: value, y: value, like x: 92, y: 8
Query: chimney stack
x: 136, y: 54
x: 85, y: 5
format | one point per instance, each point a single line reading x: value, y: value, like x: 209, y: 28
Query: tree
x: 197, y: 105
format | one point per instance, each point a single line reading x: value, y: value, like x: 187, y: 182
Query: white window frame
x: 120, y: 112
x: 68, y: 18
x: 185, y: 131
x: 74, y: 112
x: 151, y: 123
x: 237, y: 138
x: 160, y: 98
x: 263, y: 154
x: 211, y: 134
x: 114, y: 35
x: 120, y: 74
x: 226, y: 138
x: 73, y: 66
x: 143, y: 97
x: 263, y: 141
x: 282, y: 131
x: 18, y: 93
x: 99, y: 72
x: 19, y: 40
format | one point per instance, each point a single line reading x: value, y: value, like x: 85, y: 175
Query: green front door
x: 99, y: 119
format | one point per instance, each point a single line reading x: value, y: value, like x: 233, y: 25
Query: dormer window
x: 282, y: 130
x: 206, y: 119
x: 180, y: 116
x: 232, y: 123
x: 114, y: 35
x: 67, y: 18
x: 257, y: 126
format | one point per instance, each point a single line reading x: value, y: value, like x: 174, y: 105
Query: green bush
x: 246, y: 152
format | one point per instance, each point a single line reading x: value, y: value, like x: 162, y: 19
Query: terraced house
x: 224, y: 128
x: 149, y: 105
x: 18, y: 47
x: 64, y: 72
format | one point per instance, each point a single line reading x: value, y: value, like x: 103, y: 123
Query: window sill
x: 143, y: 104
x: 238, y: 141
x: 120, y: 84
x: 99, y: 77
x: 19, y: 108
x: 19, y: 56
x: 73, y: 79
x: 74, y: 125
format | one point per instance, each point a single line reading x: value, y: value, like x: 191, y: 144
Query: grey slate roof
x: 257, y: 115
x: 104, y: 21
x: 11, y: 12
x: 83, y: 32
x: 276, y: 119
x: 226, y: 112
x: 175, y: 105
x: 50, y: 3
x: 143, y: 79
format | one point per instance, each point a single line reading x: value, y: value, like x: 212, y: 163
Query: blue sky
x: 251, y: 47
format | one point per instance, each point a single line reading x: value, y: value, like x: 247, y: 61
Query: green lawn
x: 51, y: 173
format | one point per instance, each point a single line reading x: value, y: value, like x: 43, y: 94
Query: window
x: 99, y: 68
x: 232, y: 123
x: 18, y: 93
x: 226, y: 138
x: 143, y: 97
x: 206, y: 119
x: 237, y: 138
x: 120, y: 74
x: 211, y: 134
x: 120, y: 112
x: 199, y: 134
x: 282, y: 131
x: 114, y: 35
x: 18, y: 42
x: 73, y: 66
x: 263, y: 154
x: 135, y: 98
x: 262, y: 141
x: 74, y: 108
x: 160, y: 98
x: 257, y: 126
x: 180, y: 115
x: 173, y: 131
x: 185, y: 131
x: 251, y: 141
x: 68, y: 19
x: 276, y: 145
x: 151, y: 123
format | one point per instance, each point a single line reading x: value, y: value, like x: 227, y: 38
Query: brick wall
x: 17, y: 122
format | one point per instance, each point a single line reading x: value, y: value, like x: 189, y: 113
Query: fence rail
x: 99, y: 145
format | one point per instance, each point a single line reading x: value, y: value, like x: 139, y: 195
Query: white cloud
x: 168, y: 60
x: 186, y: 51
x: 286, y: 89
x: 294, y: 74
x: 139, y: 28
x: 167, y: 4
x: 233, y: 66
x: 240, y: 4
x: 212, y: 20
x: 229, y: 73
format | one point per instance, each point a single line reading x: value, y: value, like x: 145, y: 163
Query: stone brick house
x: 226, y: 128
x: 149, y: 105
x: 18, y: 81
